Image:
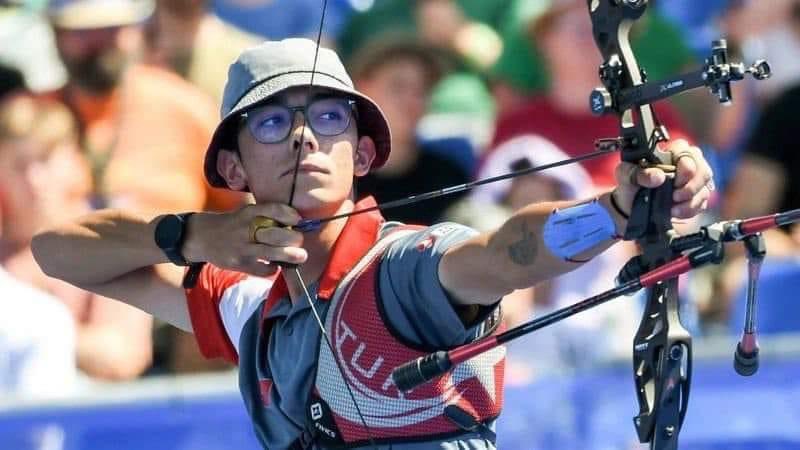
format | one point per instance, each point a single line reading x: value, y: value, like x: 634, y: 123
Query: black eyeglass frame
x: 244, y: 116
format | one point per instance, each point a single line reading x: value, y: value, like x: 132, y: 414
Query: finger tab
x: 258, y: 223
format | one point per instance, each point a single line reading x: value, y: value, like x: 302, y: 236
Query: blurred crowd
x: 107, y: 103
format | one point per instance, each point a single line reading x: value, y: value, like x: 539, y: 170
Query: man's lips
x: 307, y: 168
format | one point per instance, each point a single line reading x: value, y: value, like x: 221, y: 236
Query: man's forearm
x: 516, y: 256
x: 98, y: 248
x: 529, y: 258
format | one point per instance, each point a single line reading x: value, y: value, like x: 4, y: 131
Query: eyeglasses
x: 329, y: 116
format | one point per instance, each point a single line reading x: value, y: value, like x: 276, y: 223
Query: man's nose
x: 302, y: 135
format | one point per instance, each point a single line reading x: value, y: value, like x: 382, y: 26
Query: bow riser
x: 662, y: 346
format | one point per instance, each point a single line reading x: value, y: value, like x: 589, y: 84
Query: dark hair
x: 392, y: 47
x: 520, y: 164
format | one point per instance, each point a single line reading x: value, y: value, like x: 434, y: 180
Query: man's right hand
x: 225, y: 240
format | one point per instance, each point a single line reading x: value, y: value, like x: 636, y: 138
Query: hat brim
x: 371, y: 120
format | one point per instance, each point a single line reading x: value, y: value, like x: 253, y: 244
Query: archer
x: 293, y: 127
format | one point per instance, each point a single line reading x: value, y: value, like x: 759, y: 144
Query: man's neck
x: 90, y: 105
x: 81, y: 92
x: 319, y: 245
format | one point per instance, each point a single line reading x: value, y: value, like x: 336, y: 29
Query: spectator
x: 562, y: 115
x: 45, y: 180
x: 520, y: 70
x: 457, y: 27
x: 764, y: 182
x: 461, y: 32
x: 399, y: 74
x: 143, y: 157
x: 121, y: 132
x: 753, y: 30
x: 37, y: 332
x: 29, y: 45
x: 186, y: 38
x: 37, y: 342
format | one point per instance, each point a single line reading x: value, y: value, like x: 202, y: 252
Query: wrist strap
x: 191, y: 275
x: 617, y: 208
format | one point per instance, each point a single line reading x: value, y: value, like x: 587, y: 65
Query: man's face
x: 566, y: 42
x: 40, y: 188
x: 95, y: 59
x: 327, y: 164
x: 402, y: 89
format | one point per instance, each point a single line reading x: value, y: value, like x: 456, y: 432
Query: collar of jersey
x: 357, y: 237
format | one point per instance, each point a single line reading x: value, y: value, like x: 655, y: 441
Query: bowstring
x: 296, y: 268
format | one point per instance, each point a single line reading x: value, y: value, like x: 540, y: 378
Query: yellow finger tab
x: 259, y: 222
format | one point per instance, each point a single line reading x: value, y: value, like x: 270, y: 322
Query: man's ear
x: 230, y: 168
x: 363, y: 156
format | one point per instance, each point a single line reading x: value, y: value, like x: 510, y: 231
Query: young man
x: 297, y: 150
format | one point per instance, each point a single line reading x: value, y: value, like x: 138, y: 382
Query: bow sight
x: 716, y: 74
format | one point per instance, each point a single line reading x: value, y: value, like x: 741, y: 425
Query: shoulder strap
x: 388, y: 233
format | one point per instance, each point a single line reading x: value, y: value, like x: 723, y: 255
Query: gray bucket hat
x: 265, y: 70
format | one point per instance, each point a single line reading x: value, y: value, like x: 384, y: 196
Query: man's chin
x: 313, y: 205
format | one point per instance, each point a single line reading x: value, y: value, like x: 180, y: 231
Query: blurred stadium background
x: 472, y: 88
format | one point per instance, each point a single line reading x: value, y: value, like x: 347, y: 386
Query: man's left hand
x: 693, y: 180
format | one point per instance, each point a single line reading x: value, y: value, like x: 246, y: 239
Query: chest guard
x: 368, y: 349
